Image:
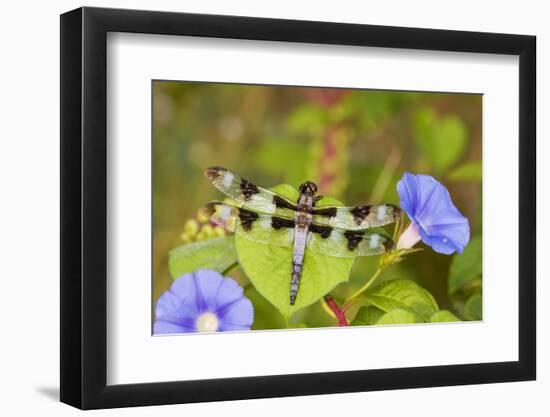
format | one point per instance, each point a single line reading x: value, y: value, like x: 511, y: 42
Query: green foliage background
x: 356, y: 144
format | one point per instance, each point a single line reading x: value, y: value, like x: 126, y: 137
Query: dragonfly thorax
x: 309, y: 188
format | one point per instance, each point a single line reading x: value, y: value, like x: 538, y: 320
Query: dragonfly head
x: 309, y: 188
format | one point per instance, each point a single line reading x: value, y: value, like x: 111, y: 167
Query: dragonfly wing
x: 257, y: 227
x: 341, y: 243
x: 249, y: 195
x: 356, y: 218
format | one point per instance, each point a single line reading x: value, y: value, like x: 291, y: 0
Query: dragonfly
x: 266, y: 217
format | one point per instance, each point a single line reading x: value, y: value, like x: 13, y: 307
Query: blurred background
x: 355, y: 144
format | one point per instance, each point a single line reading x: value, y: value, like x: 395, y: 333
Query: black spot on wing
x: 388, y: 244
x: 359, y: 213
x: 323, y: 231
x: 278, y: 222
x: 327, y: 212
x: 248, y: 189
x: 354, y: 237
x: 247, y: 218
x: 282, y: 203
x: 214, y: 172
x: 395, y: 210
x: 210, y: 209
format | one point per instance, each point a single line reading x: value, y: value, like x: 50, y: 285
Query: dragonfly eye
x: 308, y: 187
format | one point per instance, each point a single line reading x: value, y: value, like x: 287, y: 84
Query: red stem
x: 340, y: 316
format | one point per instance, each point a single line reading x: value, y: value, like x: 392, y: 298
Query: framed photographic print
x: 258, y: 207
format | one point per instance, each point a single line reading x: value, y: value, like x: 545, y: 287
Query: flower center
x: 207, y: 322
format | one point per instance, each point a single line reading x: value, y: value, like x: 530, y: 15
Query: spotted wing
x: 356, y: 218
x: 342, y: 243
x: 257, y: 227
x: 249, y: 195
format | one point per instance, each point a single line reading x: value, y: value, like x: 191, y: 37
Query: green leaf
x: 399, y: 316
x: 466, y: 268
x: 367, y: 315
x: 217, y: 254
x: 443, y: 141
x: 290, y: 192
x: 297, y: 326
x: 266, y: 315
x: 405, y: 295
x: 470, y: 171
x: 269, y: 267
x: 443, y: 316
x: 473, y: 307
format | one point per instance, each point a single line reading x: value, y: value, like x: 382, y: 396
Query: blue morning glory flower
x: 204, y: 301
x: 434, y: 217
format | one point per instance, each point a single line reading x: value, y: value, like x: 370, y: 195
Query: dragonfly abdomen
x: 300, y: 239
x: 302, y: 221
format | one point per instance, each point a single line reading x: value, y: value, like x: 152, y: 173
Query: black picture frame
x: 84, y: 207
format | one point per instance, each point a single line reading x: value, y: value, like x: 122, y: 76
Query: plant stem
x: 396, y: 229
x: 327, y: 308
x: 338, y: 313
x: 230, y: 267
x: 364, y: 287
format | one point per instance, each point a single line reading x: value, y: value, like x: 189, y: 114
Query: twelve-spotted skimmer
x: 266, y: 217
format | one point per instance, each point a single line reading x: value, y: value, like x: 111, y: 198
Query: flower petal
x: 171, y: 307
x: 407, y: 190
x: 167, y: 327
x: 450, y: 237
x: 433, y: 198
x: 228, y: 292
x: 238, y: 315
x: 208, y: 285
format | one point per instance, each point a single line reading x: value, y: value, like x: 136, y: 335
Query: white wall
x: 29, y: 238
